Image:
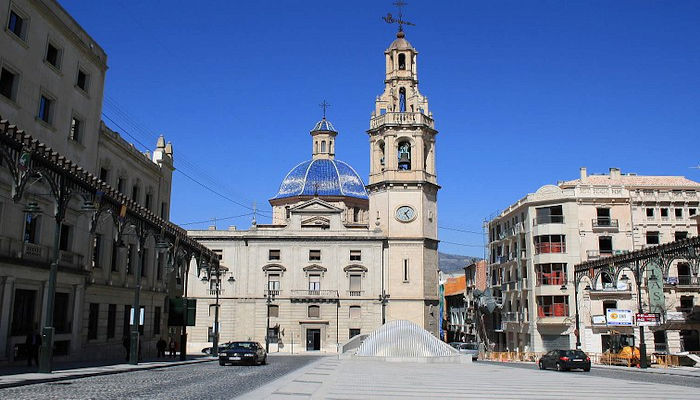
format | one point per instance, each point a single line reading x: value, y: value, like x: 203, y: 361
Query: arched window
x: 426, y: 152
x: 402, y: 100
x: 323, y: 146
x: 402, y: 61
x: 380, y: 147
x: 330, y: 146
x: 404, y: 155
x: 316, y: 143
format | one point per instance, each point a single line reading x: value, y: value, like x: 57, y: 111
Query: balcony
x: 355, y: 293
x: 272, y: 292
x: 314, y: 293
x: 213, y: 292
x: 548, y: 219
x: 399, y: 118
x: 550, y: 247
x: 687, y: 281
x: 604, y: 224
x: 34, y: 252
x: 553, y: 310
x: 70, y: 259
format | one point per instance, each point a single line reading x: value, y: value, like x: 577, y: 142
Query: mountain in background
x: 451, y: 263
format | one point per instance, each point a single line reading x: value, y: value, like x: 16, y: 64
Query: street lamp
x: 270, y: 298
x: 215, y: 341
x: 642, y: 344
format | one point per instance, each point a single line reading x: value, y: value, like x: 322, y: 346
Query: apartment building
x: 51, y: 86
x: 535, y: 242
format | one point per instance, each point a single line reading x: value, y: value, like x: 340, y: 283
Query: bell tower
x: 403, y: 188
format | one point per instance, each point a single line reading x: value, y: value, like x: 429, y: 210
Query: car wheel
x: 560, y: 368
x: 541, y: 364
x: 264, y: 361
x: 587, y: 369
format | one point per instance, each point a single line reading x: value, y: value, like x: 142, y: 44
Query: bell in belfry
x: 404, y: 156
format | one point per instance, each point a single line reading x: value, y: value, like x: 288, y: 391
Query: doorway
x: 313, y: 339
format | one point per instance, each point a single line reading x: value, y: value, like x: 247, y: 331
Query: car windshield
x: 469, y: 346
x: 574, y: 353
x: 242, y: 345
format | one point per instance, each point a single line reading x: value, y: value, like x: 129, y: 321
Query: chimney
x: 584, y: 173
x: 615, y: 173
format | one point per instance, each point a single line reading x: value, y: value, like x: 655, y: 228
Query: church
x: 341, y: 256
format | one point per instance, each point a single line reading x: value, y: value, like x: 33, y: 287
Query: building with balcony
x: 535, y: 242
x: 339, y: 258
x: 51, y: 87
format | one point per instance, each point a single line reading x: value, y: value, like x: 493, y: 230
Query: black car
x: 243, y: 353
x: 564, y: 360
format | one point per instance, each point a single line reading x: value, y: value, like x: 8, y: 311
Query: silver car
x: 467, y: 348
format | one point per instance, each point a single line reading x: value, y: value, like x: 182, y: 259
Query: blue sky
x: 523, y: 92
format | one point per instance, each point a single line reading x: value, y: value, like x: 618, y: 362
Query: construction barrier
x: 662, y: 360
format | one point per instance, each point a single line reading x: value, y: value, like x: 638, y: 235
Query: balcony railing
x: 548, y: 219
x: 400, y: 118
x: 212, y: 292
x: 272, y: 292
x: 550, y: 247
x: 604, y: 223
x: 314, y: 293
x: 688, y: 280
x: 34, y: 252
x: 355, y: 293
x: 70, y: 259
x: 553, y: 310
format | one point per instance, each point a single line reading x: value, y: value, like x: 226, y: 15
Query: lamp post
x: 215, y: 342
x: 642, y: 344
x: 136, y: 309
x: 383, y: 298
x: 270, y: 297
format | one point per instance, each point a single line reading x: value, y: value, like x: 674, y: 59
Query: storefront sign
x: 619, y: 317
x: 648, y: 319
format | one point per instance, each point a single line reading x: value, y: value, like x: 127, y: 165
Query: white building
x: 535, y: 243
x: 339, y: 257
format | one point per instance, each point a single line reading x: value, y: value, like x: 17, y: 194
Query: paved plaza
x: 326, y: 377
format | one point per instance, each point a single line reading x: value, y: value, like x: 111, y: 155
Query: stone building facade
x: 535, y: 243
x: 340, y: 258
x: 52, y: 88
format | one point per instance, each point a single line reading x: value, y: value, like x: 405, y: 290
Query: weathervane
x: 324, y: 105
x: 390, y: 18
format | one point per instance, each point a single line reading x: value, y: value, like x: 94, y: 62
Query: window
x: 353, y: 332
x: 402, y: 100
x: 680, y: 235
x: 115, y: 254
x: 53, y: 55
x: 687, y: 303
x: 402, y: 61
x: 93, y: 318
x: 314, y: 255
x: 650, y: 213
x: 159, y: 266
x: 652, y: 238
x: 314, y: 312
x: 23, y: 312
x: 273, y: 282
x: 609, y: 305
x: 104, y: 174
x: 111, y: 320
x: 126, y: 319
x: 147, y: 202
x: 355, y: 215
x: 355, y: 255
x: 61, y: 312
x: 678, y: 212
x: 45, y: 109
x: 273, y: 255
x: 96, y: 250
x: 17, y: 25
x: 65, y: 243
x: 692, y: 211
x: 664, y: 213
x: 552, y: 306
x: 8, y: 84
x: 164, y: 210
x: 605, y: 245
x: 550, y: 244
x: 156, y: 321
x: 314, y: 282
x: 355, y: 284
x: 76, y: 129
x: 82, y: 80
x: 273, y: 310
x: 121, y: 181
x: 551, y: 274
x: 31, y: 228
x: 355, y: 312
x: 549, y: 215
x: 405, y: 270
x: 135, y: 193
x: 273, y: 334
x: 129, y: 257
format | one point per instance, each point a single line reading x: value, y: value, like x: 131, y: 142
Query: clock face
x: 405, y: 213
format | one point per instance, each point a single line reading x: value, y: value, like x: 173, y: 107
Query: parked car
x: 467, y: 348
x: 222, y: 347
x: 243, y: 353
x: 564, y: 360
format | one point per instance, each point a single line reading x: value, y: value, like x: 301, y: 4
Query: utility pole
x: 215, y: 342
x: 136, y: 309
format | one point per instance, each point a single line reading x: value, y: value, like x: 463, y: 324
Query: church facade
x: 340, y: 257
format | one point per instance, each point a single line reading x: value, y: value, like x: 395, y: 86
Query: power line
x: 215, y: 219
x: 460, y: 230
x: 462, y: 244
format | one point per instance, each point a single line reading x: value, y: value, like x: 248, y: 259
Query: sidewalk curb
x: 99, y: 373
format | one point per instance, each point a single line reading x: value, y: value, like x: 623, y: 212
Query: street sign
x: 619, y: 317
x: 142, y: 316
x: 648, y: 319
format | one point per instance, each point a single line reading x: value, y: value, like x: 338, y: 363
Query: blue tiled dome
x: 322, y: 177
x: 323, y: 125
